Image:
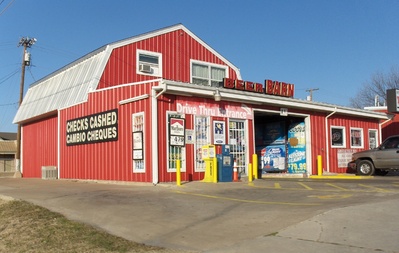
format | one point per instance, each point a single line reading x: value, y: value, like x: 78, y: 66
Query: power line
x: 3, y: 79
x: 15, y: 103
x: 9, y: 4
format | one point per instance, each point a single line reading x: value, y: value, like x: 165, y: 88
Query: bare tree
x: 374, y: 92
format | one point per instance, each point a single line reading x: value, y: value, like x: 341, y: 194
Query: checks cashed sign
x: 94, y: 128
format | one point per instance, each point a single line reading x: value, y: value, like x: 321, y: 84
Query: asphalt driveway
x: 275, y: 214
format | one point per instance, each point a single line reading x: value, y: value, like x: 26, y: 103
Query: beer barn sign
x: 270, y: 87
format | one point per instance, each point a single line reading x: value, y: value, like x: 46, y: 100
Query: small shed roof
x: 8, y: 147
x: 6, y: 136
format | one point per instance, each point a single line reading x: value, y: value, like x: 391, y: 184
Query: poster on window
x: 219, y: 132
x: 177, y: 132
x: 138, y: 145
x: 337, y: 137
x: 296, y: 148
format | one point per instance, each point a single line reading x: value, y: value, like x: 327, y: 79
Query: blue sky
x: 335, y: 46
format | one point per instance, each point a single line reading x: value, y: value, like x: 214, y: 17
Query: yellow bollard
x: 178, y: 176
x: 255, y: 165
x: 319, y: 166
x: 250, y: 173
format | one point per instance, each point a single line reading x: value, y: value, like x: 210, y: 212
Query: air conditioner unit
x: 49, y: 172
x: 145, y: 68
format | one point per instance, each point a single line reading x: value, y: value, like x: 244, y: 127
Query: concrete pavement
x: 223, y: 217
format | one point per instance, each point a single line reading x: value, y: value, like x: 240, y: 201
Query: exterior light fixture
x: 217, y: 96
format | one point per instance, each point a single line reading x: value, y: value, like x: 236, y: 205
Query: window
x: 337, y: 137
x: 356, y: 138
x: 138, y: 143
x: 207, y: 74
x: 149, y: 63
x: 391, y: 143
x: 373, y: 141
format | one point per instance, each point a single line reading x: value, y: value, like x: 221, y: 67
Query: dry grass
x: 25, y: 227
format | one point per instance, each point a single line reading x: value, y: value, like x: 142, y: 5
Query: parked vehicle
x: 377, y: 161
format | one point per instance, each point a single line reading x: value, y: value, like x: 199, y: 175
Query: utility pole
x: 310, y: 97
x: 26, y: 43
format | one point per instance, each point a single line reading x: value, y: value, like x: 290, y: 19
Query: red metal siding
x: 177, y: 49
x: 108, y: 160
x: 39, y: 146
x: 348, y: 122
x: 318, y: 141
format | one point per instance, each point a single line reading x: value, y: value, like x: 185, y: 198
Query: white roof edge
x: 269, y: 99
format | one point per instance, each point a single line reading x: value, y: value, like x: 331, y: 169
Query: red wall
x: 39, y: 146
x: 348, y: 122
x: 177, y: 49
x: 110, y: 160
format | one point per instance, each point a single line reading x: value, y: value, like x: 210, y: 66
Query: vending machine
x: 225, y: 165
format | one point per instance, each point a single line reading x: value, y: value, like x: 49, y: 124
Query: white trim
x: 361, y: 137
x: 343, y: 136
x: 328, y: 139
x: 309, y: 159
x: 180, y: 88
x: 127, y: 84
x: 139, y: 114
x: 59, y: 144
x: 151, y: 53
x: 154, y: 137
x: 134, y: 99
x: 377, y: 141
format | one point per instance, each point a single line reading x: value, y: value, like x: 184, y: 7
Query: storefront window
x: 373, y: 141
x: 356, y: 138
x: 138, y: 143
x: 337, y: 137
x: 202, y: 137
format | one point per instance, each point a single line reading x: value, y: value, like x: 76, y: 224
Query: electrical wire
x: 2, y: 80
x: 31, y: 74
x: 9, y: 4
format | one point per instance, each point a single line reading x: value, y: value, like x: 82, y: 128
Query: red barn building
x: 127, y: 111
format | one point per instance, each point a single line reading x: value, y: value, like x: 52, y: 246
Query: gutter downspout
x: 154, y: 130
x: 327, y: 139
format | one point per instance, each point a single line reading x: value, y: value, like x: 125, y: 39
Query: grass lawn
x: 25, y: 227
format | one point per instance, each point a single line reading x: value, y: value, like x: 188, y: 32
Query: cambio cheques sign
x: 93, y: 128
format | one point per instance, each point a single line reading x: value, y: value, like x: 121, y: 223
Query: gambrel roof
x: 71, y: 84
